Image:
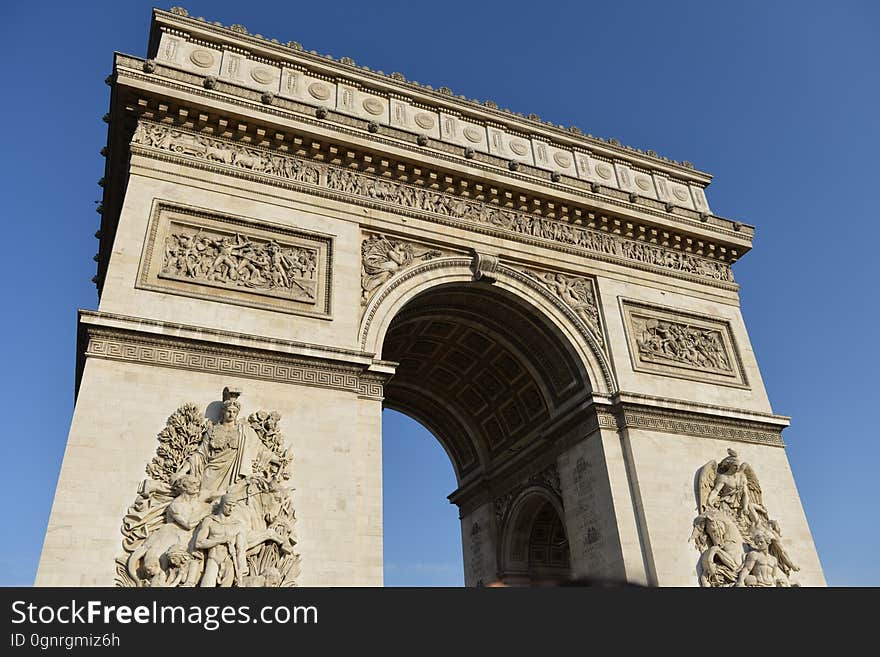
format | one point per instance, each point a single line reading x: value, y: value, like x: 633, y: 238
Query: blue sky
x: 777, y: 99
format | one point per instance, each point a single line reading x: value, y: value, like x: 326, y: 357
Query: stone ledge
x: 104, y: 337
x: 204, y: 34
x: 671, y: 211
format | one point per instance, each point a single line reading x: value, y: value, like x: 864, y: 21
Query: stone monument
x: 320, y: 241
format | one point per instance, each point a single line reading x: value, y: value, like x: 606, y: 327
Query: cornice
x: 293, y: 54
x: 104, y: 342
x: 633, y: 411
x: 634, y: 399
x: 735, y: 235
x: 160, y: 329
x: 703, y: 426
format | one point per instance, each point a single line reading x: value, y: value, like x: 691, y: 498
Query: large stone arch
x: 391, y: 297
x: 292, y: 243
x: 504, y: 374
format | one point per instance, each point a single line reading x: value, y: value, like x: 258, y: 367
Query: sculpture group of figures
x: 739, y: 544
x: 216, y: 508
x: 579, y: 295
x: 373, y: 188
x: 382, y: 257
x: 240, y: 261
x: 215, y: 150
x: 658, y: 340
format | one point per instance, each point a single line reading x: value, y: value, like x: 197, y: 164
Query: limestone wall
x: 665, y: 468
x: 123, y: 295
x: 337, y: 470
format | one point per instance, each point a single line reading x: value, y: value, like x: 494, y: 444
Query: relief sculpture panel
x: 682, y: 344
x: 382, y: 257
x: 226, y: 260
x: 216, y: 508
x: 739, y: 543
x: 207, y: 255
x: 579, y: 294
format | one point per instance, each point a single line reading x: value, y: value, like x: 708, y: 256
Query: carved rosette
x: 739, y: 544
x: 216, y: 508
x: 446, y: 207
x: 383, y: 257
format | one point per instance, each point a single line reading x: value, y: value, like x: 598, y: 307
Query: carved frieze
x: 382, y: 257
x: 449, y: 208
x: 705, y: 426
x: 387, y: 102
x: 660, y: 341
x: 216, y: 508
x: 739, y: 544
x: 204, y: 254
x: 682, y: 344
x: 579, y: 294
x: 223, y: 359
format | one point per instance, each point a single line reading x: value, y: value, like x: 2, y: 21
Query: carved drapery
x: 216, y: 508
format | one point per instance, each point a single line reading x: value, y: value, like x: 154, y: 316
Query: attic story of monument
x: 320, y: 241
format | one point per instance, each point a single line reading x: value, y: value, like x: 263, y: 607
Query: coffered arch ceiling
x: 484, y: 370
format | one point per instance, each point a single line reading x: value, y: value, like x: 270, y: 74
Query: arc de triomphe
x: 290, y: 243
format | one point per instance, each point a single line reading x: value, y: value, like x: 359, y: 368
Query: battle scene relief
x: 682, y: 344
x: 672, y: 342
x: 226, y: 260
x: 242, y: 260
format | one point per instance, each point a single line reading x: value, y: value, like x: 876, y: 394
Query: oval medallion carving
x: 562, y: 159
x: 424, y: 120
x: 472, y: 134
x: 202, y: 58
x: 643, y: 182
x: 604, y: 171
x: 680, y: 194
x: 262, y: 74
x: 319, y: 91
x: 374, y: 106
x: 519, y: 147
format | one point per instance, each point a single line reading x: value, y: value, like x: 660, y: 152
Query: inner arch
x: 535, y: 549
x: 486, y: 371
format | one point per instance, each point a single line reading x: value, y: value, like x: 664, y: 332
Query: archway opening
x: 493, y: 379
x: 535, y: 549
x: 421, y: 545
